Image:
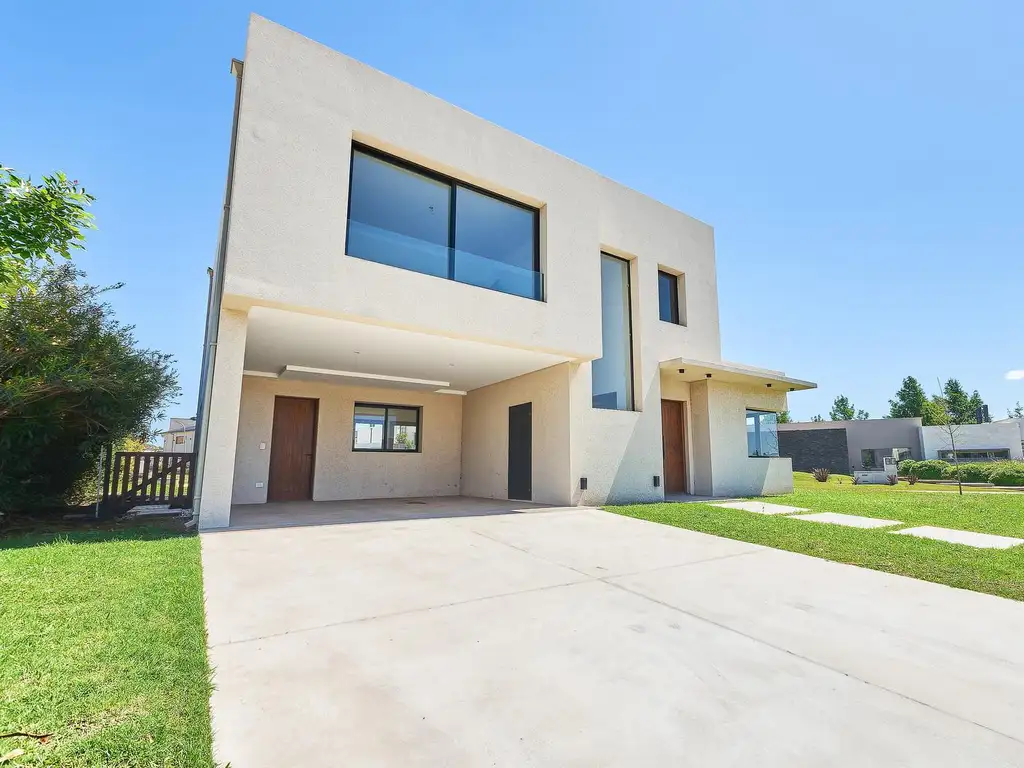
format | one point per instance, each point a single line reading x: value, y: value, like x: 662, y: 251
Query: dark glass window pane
x: 612, y: 374
x: 495, y: 245
x: 668, y: 297
x: 403, y: 429
x: 397, y: 216
x: 368, y: 434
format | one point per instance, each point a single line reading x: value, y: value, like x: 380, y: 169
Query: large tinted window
x: 385, y: 428
x: 495, y: 245
x: 397, y: 216
x: 425, y: 222
x: 612, y: 375
x: 762, y: 434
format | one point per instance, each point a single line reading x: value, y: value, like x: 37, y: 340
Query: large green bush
x: 932, y: 469
x: 71, y: 380
x: 1007, y: 473
x: 970, y: 472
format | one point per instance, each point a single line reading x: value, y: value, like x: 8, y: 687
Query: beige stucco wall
x: 485, y: 436
x: 217, y: 461
x: 340, y: 472
x: 734, y: 473
x: 302, y: 105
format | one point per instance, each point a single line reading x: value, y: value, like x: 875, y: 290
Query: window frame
x: 675, y: 316
x: 383, y: 446
x: 757, y: 431
x: 453, y: 184
x: 631, y: 405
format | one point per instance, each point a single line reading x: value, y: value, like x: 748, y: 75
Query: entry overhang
x: 732, y: 373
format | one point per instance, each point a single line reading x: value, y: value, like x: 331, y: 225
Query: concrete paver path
x: 582, y: 638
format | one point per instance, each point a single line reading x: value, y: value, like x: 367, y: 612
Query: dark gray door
x: 520, y: 451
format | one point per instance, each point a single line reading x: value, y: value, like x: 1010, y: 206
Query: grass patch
x: 998, y: 572
x: 102, y: 644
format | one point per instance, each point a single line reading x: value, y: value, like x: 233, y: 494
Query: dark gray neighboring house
x: 844, y: 446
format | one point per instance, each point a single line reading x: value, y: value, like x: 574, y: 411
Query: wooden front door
x: 673, y: 443
x: 292, y: 449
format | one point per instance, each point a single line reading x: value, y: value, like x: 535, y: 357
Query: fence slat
x: 151, y: 477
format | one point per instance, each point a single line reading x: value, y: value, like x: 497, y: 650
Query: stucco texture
x: 340, y: 472
x: 485, y: 436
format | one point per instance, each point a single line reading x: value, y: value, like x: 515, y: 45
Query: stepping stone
x: 970, y: 538
x: 853, y: 521
x: 761, y: 507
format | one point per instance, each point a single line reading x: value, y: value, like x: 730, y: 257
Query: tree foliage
x: 952, y: 404
x: 784, y: 417
x: 72, y: 379
x: 843, y: 410
x: 38, y: 222
x: 910, y: 400
x: 1016, y: 412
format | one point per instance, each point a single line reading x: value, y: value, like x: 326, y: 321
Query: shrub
x: 907, y: 467
x: 892, y: 479
x: 821, y: 474
x: 1007, y: 473
x: 932, y: 469
x: 912, y: 478
x: 969, y: 472
x: 71, y: 379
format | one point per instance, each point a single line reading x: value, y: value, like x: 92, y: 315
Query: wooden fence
x: 149, y: 477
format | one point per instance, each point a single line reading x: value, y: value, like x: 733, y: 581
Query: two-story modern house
x: 410, y: 301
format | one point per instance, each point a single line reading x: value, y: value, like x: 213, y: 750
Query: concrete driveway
x: 581, y: 638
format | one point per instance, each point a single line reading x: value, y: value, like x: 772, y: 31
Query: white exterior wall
x: 485, y: 436
x: 218, y: 461
x: 734, y: 473
x: 339, y: 472
x: 995, y: 435
x: 187, y: 446
x: 302, y: 106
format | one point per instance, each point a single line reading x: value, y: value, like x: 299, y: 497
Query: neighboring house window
x: 612, y: 374
x: 179, y: 439
x: 995, y: 454
x: 903, y: 453
x: 669, y: 293
x: 386, y: 428
x: 762, y: 434
x: 409, y: 217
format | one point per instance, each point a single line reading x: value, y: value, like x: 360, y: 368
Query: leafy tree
x: 1017, y: 412
x: 784, y: 417
x: 862, y: 415
x: 959, y: 406
x: 817, y: 417
x: 71, y: 380
x: 910, y: 400
x: 842, y: 409
x: 38, y: 222
x: 975, y: 404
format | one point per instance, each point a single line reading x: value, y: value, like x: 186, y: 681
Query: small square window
x: 179, y: 439
x: 671, y: 303
x: 386, y: 428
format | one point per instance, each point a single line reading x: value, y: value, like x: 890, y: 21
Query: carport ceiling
x: 277, y: 338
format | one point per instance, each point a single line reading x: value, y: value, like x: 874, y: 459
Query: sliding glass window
x: 415, y: 219
x: 612, y: 374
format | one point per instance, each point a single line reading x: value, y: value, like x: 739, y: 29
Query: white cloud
x: 1014, y: 375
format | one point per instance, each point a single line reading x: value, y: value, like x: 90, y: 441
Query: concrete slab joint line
x: 969, y: 538
x: 761, y: 507
x: 852, y: 521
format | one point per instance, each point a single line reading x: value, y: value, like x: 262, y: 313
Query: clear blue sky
x: 862, y: 162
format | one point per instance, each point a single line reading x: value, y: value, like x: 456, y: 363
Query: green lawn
x: 1000, y: 572
x: 102, y: 644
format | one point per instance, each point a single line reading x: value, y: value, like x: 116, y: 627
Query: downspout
x: 213, y: 304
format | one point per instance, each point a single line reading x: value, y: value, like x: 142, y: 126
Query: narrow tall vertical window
x: 668, y: 297
x: 612, y: 374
